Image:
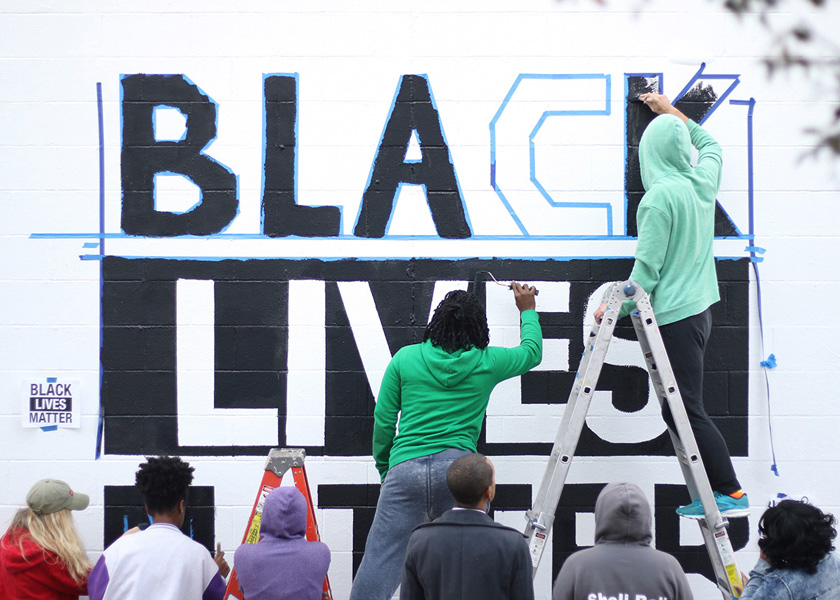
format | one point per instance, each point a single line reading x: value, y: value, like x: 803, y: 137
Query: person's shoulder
x: 659, y: 194
x: 197, y: 549
x: 407, y: 352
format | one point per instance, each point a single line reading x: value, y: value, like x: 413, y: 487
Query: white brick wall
x: 349, y: 58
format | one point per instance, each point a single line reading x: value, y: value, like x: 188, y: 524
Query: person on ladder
x: 675, y: 265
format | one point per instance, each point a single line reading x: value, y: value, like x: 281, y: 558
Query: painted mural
x: 252, y: 239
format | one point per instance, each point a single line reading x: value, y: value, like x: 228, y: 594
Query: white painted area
x: 175, y: 193
x: 367, y: 330
x: 306, y: 380
x: 603, y: 418
x: 413, y: 152
x: 559, y: 117
x: 411, y: 215
x: 199, y: 422
x: 508, y: 419
x: 170, y: 124
x: 584, y: 529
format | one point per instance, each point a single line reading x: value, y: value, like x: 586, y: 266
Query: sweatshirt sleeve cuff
x: 529, y: 315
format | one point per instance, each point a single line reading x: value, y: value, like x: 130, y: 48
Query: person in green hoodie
x: 675, y: 265
x: 438, y: 391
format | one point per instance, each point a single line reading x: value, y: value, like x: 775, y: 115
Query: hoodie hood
x: 665, y: 148
x: 11, y: 557
x: 284, y: 514
x: 449, y: 369
x: 622, y: 514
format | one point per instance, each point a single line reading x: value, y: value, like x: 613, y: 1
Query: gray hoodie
x: 622, y: 565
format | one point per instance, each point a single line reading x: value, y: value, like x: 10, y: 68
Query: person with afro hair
x: 159, y: 562
x: 438, y: 391
x: 796, y: 561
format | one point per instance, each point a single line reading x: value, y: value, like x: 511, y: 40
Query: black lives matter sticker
x: 51, y: 402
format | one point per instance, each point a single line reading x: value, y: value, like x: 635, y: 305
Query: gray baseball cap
x: 51, y: 495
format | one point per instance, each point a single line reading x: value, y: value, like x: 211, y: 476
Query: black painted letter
x: 143, y: 157
x: 413, y: 111
x: 282, y: 215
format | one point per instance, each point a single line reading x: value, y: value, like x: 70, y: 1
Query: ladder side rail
x: 571, y: 406
x: 269, y: 482
x: 541, y: 517
x: 312, y: 533
x: 713, y: 526
x: 584, y: 375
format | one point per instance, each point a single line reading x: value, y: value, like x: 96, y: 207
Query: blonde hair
x: 54, y: 532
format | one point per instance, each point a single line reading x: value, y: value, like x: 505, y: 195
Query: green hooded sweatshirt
x: 440, y: 397
x: 675, y: 262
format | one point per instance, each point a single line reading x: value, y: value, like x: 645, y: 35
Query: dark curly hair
x: 163, y: 481
x: 459, y: 323
x: 796, y: 535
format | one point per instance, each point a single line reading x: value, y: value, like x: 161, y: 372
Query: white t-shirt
x: 160, y: 563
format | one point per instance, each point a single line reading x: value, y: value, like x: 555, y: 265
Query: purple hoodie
x: 282, y: 565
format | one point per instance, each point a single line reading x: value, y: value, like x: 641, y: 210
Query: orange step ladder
x: 279, y: 461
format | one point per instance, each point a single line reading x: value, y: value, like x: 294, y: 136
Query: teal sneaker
x: 692, y: 511
x: 727, y: 506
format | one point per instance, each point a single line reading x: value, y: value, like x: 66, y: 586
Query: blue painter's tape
x: 755, y: 249
x: 125, y: 523
x: 756, y: 258
x: 49, y: 428
x: 91, y: 245
x: 52, y: 379
x: 770, y: 363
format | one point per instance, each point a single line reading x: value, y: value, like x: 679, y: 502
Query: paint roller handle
x: 524, y: 295
x: 537, y: 292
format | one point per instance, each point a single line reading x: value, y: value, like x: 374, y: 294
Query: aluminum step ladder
x: 541, y: 517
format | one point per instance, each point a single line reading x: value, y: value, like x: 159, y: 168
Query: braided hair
x: 459, y: 323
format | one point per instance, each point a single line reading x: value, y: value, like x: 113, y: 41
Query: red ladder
x: 279, y: 461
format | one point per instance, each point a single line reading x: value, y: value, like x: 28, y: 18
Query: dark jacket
x: 283, y: 565
x: 464, y: 554
x: 622, y: 564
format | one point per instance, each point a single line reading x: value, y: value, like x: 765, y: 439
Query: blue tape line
x: 52, y: 379
x: 101, y: 423
x: 125, y: 523
x: 736, y: 79
x: 771, y: 360
x: 91, y: 245
x: 497, y: 116
x: 49, y: 428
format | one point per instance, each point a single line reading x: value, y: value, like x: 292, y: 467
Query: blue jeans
x: 413, y: 492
